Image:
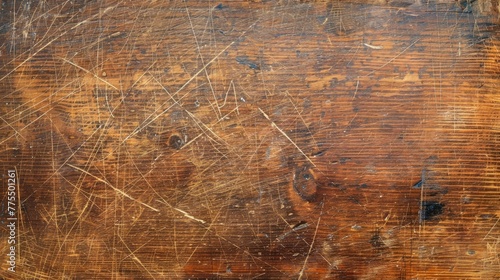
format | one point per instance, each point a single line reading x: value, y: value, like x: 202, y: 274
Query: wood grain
x: 252, y: 139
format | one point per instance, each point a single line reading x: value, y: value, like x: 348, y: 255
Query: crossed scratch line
x: 55, y: 39
x: 287, y: 137
x: 113, y: 187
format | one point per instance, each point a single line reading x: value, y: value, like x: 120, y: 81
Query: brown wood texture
x: 251, y: 140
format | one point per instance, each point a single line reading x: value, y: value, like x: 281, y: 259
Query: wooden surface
x: 251, y: 140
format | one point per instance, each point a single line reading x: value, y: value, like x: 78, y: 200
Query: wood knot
x: 175, y: 141
x: 304, y: 183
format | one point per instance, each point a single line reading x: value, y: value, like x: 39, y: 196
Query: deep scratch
x: 301, y: 273
x: 111, y: 186
x: 287, y: 137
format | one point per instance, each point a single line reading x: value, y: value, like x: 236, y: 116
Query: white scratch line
x: 113, y: 187
x: 88, y: 72
x: 287, y: 137
x: 356, y: 91
x: 53, y: 40
x: 134, y: 257
x: 373, y: 47
x: 13, y: 128
x: 491, y: 229
x: 301, y: 273
x: 186, y: 214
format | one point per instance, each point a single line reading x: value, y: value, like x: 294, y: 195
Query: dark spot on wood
x: 400, y: 4
x: 307, y: 103
x: 344, y: 160
x: 336, y: 186
x: 487, y: 216
x: 175, y: 142
x: 355, y: 199
x: 363, y: 186
x: 376, y: 241
x: 430, y: 209
x: 300, y: 225
x: 243, y: 60
x: 418, y: 184
x: 318, y: 153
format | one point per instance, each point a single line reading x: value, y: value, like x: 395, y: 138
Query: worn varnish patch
x: 259, y: 140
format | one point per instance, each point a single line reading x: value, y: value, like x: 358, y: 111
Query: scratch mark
x: 244, y: 251
x: 13, y: 128
x: 421, y: 206
x: 74, y: 152
x: 491, y: 229
x: 302, y: 118
x: 235, y: 98
x: 192, y: 140
x: 255, y: 152
x: 186, y: 214
x: 100, y: 40
x: 98, y: 78
x: 356, y: 91
x: 373, y: 47
x: 143, y: 74
x: 134, y: 257
x: 80, y: 216
x: 36, y: 111
x: 53, y: 40
x: 287, y: 137
x: 208, y: 229
x: 35, y: 120
x: 227, y: 93
x: 88, y: 72
x: 204, y: 132
x: 301, y: 273
x: 301, y: 225
x: 149, y: 120
x: 394, y: 58
x: 203, y: 127
x: 113, y: 187
x: 203, y: 62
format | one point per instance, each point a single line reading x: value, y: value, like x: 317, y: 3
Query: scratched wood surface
x: 252, y: 140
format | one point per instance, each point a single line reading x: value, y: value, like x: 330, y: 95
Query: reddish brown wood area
x: 250, y: 140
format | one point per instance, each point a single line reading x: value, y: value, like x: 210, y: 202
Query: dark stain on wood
x: 245, y: 61
x: 175, y: 141
x: 430, y: 210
